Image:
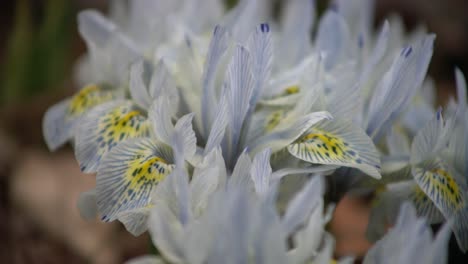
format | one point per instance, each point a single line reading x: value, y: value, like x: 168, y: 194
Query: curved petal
x: 60, y: 120
x: 280, y: 138
x: 104, y: 127
x: 128, y: 174
x: 338, y: 142
x: 135, y: 221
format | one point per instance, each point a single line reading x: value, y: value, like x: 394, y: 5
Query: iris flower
x: 196, y: 118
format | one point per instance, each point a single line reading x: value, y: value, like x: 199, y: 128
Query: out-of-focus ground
x: 39, y: 221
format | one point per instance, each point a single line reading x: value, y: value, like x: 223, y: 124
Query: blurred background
x: 39, y: 43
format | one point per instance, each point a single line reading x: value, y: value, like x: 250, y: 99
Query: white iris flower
x: 193, y: 119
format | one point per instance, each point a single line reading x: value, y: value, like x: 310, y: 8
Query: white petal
x: 162, y: 83
x: 261, y: 172
x: 460, y: 228
x: 399, y: 85
x: 397, y: 142
x: 166, y: 233
x: 308, y: 239
x: 325, y: 254
x: 240, y: 86
x: 261, y: 50
x: 185, y: 129
x: 207, y: 178
x: 55, y: 128
x: 216, y: 50
x: 105, y: 126
x: 378, y: 53
x: 160, y: 116
x: 95, y: 28
x: 244, y: 17
x: 138, y: 89
x: 439, y: 250
x: 219, y: 126
x: 333, y: 38
x: 338, y: 142
x: 111, y: 51
x: 324, y: 169
x: 128, y: 174
x: 280, y: 138
x: 302, y: 205
x: 135, y: 221
x: 431, y: 139
x: 241, y: 172
x: 296, y: 22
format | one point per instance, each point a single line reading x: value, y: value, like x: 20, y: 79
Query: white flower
x: 192, y: 134
x: 410, y: 235
x: 239, y: 223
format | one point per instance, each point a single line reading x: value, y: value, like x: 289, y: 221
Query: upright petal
x: 399, y: 85
x: 431, y: 139
x: 297, y: 21
x: 261, y: 172
x: 261, y: 50
x: 138, y: 89
x: 216, y: 50
x: 218, y: 128
x: 302, y: 205
x: 241, y: 172
x: 333, y: 39
x: 240, y: 86
x: 160, y: 115
x: 206, y: 179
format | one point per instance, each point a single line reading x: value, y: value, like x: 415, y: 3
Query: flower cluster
x: 223, y: 144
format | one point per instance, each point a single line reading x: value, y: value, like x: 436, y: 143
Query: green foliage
x: 36, y: 54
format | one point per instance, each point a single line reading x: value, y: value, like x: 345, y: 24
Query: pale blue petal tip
x: 360, y: 41
x: 264, y: 27
x: 216, y: 29
x: 439, y: 113
x: 407, y: 51
x: 246, y: 150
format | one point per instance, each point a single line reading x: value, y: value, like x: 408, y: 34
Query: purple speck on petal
x: 264, y: 27
x: 439, y: 113
x: 407, y: 51
x: 216, y: 30
x: 360, y: 41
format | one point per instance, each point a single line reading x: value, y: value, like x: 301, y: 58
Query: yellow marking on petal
x: 273, y: 120
x: 338, y: 148
x: 419, y: 198
x: 122, y: 123
x: 442, y: 188
x: 327, y: 146
x: 144, y: 172
x: 88, y: 97
x: 333, y: 261
x: 293, y: 89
